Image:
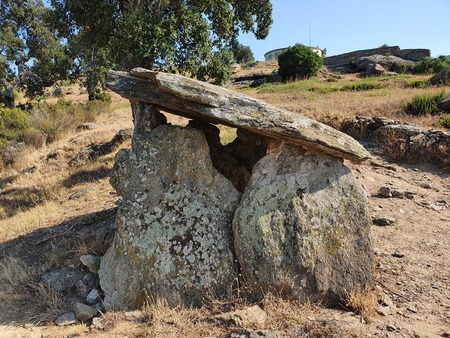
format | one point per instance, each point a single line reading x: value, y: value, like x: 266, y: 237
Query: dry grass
x: 325, y: 102
x: 364, y: 303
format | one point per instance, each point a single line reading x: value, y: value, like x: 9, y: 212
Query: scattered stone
x: 91, y: 262
x: 383, y: 310
x: 28, y: 170
x: 80, y: 193
x: 86, y: 126
x: 398, y: 254
x: 248, y: 316
x: 412, y: 309
x: 388, y: 192
x: 134, y: 316
x: 94, y: 151
x: 93, y: 297
x: 383, y: 220
x: 426, y: 185
x: 86, y: 284
x: 62, y: 280
x: 97, y: 323
x: 84, y: 313
x: 245, y: 333
x: 66, y: 319
x: 391, y: 328
x: 386, y: 300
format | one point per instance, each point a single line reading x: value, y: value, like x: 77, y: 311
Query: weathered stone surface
x: 91, y: 262
x: 405, y: 141
x: 84, y: 313
x: 302, y: 227
x: 248, y: 316
x: 62, y: 280
x: 444, y: 104
x: 66, y: 319
x: 202, y: 101
x: 442, y: 78
x: 390, y: 62
x: 173, y: 236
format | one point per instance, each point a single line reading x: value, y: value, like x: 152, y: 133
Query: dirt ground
x: 412, y: 255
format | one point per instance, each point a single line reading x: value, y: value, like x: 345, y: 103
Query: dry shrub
x: 14, y: 278
x: 393, y: 144
x: 364, y: 303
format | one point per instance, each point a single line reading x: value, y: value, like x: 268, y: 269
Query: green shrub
x: 418, y: 84
x: 445, y: 122
x: 12, y: 122
x: 424, y: 104
x: 100, y: 96
x: 299, y: 62
x: 362, y: 86
x: 323, y: 90
x: 430, y: 65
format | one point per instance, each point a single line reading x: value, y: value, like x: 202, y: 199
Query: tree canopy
x: 192, y: 37
x: 30, y: 45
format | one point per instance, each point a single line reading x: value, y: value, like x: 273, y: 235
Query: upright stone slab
x: 302, y: 228
x: 174, y: 237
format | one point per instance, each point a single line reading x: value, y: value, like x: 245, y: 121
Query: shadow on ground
x: 24, y: 298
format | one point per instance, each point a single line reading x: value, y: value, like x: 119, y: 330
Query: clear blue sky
x: 343, y: 26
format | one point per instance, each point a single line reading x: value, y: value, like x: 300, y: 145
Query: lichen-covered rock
x: 174, y: 237
x: 302, y: 227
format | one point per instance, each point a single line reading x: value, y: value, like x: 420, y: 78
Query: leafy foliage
x: 362, y: 86
x: 299, y: 61
x: 445, y: 121
x: 242, y: 54
x: 28, y: 42
x: 430, y: 65
x: 424, y: 104
x: 189, y: 37
x: 12, y: 122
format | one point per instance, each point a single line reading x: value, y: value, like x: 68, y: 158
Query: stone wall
x: 343, y: 60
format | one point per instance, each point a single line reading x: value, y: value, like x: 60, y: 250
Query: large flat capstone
x: 212, y: 104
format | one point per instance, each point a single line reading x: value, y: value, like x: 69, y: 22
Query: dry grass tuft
x: 364, y: 303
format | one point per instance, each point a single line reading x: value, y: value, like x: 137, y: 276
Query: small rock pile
x: 402, y: 140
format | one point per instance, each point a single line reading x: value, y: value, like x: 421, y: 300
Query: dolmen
x: 275, y: 211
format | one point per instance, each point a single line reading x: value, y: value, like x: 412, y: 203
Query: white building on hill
x: 274, y: 54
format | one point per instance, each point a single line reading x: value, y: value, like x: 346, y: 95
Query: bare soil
x: 411, y: 269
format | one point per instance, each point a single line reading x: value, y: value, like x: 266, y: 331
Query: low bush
x: 100, y: 96
x: 445, y: 121
x: 12, y: 123
x: 424, y: 104
x: 362, y: 86
x: 430, y: 65
x: 418, y: 84
x: 299, y: 62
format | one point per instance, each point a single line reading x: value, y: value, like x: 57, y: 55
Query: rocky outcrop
x: 211, y: 104
x: 183, y: 230
x: 402, y: 140
x: 441, y: 79
x: 173, y: 225
x: 341, y: 62
x: 388, y: 62
x: 302, y: 227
